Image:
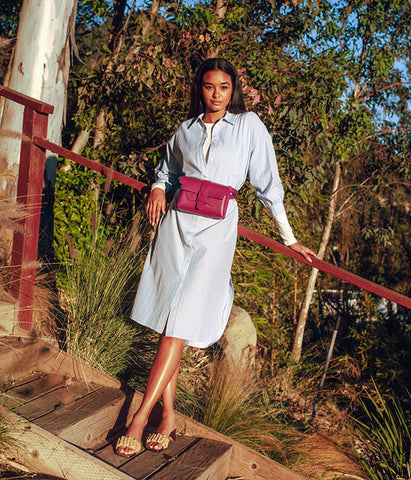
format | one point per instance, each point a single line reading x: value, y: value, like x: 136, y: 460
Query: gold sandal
x: 160, y: 439
x: 128, y: 442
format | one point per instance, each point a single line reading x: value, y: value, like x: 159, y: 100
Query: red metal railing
x: 29, y: 191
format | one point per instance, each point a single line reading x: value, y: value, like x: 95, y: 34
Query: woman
x: 185, y: 292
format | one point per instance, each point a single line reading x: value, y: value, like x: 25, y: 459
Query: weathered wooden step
x: 80, y: 412
x: 16, y: 356
x: 41, y: 404
x: 207, y: 459
x: 146, y: 462
x: 86, y: 421
x: 186, y: 458
x: 45, y: 453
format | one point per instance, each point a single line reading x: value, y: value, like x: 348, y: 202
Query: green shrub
x: 385, y: 434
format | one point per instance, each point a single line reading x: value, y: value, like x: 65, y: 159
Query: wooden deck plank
x: 245, y: 462
x: 55, y: 399
x: 17, y: 356
x: 147, y: 462
x: 69, y: 415
x: 88, y: 421
x: 205, y: 460
x: 18, y: 382
x: 37, y: 387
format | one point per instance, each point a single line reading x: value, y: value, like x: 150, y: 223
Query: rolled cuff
x: 159, y: 184
x: 285, y: 229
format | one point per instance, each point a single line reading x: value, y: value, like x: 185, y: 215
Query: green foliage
x: 385, y: 431
x: 75, y: 206
x: 9, y: 16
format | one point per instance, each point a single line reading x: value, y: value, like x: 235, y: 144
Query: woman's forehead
x: 216, y: 76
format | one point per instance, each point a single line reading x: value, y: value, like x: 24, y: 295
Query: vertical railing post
x: 29, y: 193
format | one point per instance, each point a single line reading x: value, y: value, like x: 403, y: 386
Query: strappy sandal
x: 128, y: 442
x: 160, y: 439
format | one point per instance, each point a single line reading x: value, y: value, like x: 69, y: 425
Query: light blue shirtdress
x: 185, y: 289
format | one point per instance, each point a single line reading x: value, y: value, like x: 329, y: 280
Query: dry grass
x: 11, y: 215
x: 44, y: 324
x: 44, y: 312
x: 328, y: 458
x: 98, y: 289
x: 240, y: 407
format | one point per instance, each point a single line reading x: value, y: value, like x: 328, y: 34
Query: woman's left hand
x: 305, y: 251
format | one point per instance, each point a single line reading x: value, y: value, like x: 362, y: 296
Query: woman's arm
x: 167, y: 174
x: 264, y: 176
x: 156, y: 205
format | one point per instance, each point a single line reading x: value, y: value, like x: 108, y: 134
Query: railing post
x: 29, y: 193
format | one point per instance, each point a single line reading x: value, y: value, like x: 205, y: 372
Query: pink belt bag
x: 205, y: 198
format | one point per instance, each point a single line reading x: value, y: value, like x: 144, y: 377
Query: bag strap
x: 233, y: 191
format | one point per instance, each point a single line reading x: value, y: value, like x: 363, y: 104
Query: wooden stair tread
x: 37, y: 386
x: 145, y: 462
x: 55, y: 399
x: 89, y: 420
x: 68, y: 415
x: 207, y: 459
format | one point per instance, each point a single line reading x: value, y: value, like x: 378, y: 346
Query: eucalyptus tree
x: 40, y: 68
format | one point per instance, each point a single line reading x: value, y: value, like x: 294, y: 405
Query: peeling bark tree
x: 40, y: 69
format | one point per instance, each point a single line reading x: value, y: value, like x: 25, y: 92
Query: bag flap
x: 190, y: 184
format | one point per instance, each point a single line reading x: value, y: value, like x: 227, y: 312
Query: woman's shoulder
x: 251, y: 120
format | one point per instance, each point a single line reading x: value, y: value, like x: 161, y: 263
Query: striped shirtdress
x: 185, y: 289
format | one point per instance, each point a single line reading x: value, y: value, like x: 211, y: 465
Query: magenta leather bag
x: 203, y: 197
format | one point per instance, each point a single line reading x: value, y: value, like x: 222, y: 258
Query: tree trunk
x: 40, y: 69
x: 117, y: 23
x: 6, y: 80
x: 100, y: 127
x: 221, y: 8
x: 152, y: 14
x: 220, y: 12
x: 299, y: 334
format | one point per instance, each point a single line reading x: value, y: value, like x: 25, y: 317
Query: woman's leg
x: 168, y: 418
x: 165, y: 367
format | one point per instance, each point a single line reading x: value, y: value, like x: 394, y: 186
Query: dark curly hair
x: 197, y: 104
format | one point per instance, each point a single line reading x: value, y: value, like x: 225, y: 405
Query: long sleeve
x: 264, y: 176
x: 169, y: 169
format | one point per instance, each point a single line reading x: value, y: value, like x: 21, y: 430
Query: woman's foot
x: 130, y: 444
x: 159, y: 440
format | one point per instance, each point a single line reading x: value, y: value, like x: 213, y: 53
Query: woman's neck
x: 212, y: 117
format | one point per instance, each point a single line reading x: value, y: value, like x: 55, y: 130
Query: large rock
x: 239, y: 341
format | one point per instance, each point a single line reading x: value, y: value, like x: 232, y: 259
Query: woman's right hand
x: 156, y: 205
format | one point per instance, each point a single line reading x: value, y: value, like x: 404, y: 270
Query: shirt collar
x: 228, y: 117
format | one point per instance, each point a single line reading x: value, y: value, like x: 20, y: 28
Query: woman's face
x: 217, y: 90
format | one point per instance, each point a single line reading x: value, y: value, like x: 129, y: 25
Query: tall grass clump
x: 98, y: 288
x: 239, y: 406
x: 384, y: 433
